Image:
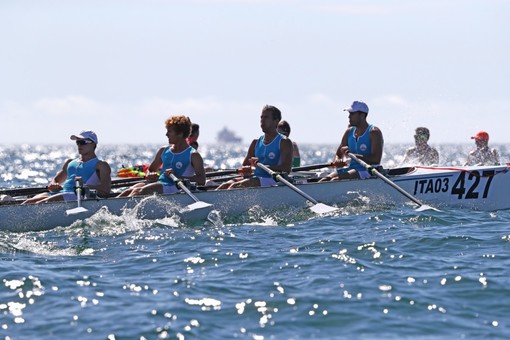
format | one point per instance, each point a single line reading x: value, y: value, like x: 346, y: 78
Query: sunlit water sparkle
x: 362, y: 273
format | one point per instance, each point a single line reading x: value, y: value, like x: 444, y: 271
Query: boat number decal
x: 471, y: 184
x: 466, y: 186
x: 429, y: 186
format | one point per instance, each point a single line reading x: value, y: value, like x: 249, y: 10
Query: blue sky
x: 122, y: 67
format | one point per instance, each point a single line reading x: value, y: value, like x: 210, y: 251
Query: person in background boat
x: 284, y: 129
x: 193, y: 137
x: 421, y: 153
x: 362, y: 139
x: 272, y: 149
x: 482, y: 155
x: 178, y: 158
x: 94, y: 173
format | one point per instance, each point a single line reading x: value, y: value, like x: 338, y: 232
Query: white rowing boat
x: 479, y: 188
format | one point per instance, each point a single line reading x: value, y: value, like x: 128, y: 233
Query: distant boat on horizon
x: 228, y: 136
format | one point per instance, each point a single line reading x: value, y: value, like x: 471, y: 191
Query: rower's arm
x: 285, y: 164
x: 376, y: 139
x: 250, y: 154
x: 157, y: 162
x: 198, y: 165
x: 61, y: 176
x: 105, y: 180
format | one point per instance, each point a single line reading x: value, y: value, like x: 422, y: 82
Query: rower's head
x: 269, y: 118
x: 86, y: 138
x: 481, y: 138
x: 193, y: 137
x: 358, y: 112
x: 421, y: 135
x: 177, y: 126
x: 284, y: 128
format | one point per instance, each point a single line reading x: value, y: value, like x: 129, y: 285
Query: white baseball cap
x: 86, y: 134
x: 357, y: 106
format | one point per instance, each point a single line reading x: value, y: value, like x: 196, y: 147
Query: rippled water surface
x: 362, y: 273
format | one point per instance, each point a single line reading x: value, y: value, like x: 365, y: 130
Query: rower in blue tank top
x: 362, y: 139
x: 360, y: 146
x: 271, y: 149
x: 267, y: 154
x: 180, y: 163
x: 176, y: 158
x: 94, y: 173
x: 85, y: 170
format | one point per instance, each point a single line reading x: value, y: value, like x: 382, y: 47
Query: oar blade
x: 425, y: 207
x: 321, y: 208
x: 74, y: 211
x: 198, y: 205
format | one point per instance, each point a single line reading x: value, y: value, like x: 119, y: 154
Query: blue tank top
x: 361, y: 146
x: 77, y: 168
x: 179, y: 162
x: 267, y: 154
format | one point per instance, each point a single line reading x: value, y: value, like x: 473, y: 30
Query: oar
x: 221, y: 172
x: 374, y: 172
x: 38, y: 190
x: 311, y: 167
x: 79, y: 209
x: 127, y: 182
x: 236, y: 171
x: 198, y: 204
x: 24, y: 191
x: 318, y: 208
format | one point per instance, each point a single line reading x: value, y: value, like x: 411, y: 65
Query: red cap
x: 482, y: 135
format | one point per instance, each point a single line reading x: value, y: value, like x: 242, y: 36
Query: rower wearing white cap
x: 94, y: 173
x: 362, y: 139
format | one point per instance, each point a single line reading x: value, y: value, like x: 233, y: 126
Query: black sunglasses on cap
x: 83, y: 142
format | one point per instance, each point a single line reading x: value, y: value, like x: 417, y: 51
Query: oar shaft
x: 221, y: 173
x: 374, y: 171
x: 23, y: 191
x: 311, y: 167
x: 236, y: 171
x: 38, y: 190
x: 287, y: 183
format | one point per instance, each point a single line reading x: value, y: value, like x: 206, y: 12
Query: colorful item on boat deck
x: 137, y: 170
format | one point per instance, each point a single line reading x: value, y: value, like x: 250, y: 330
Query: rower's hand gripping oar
x: 79, y: 209
x: 318, y: 208
x: 373, y: 171
x: 198, y: 204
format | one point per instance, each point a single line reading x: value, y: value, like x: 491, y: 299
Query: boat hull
x: 479, y: 188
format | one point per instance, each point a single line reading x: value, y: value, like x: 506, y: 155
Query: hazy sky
x: 122, y: 67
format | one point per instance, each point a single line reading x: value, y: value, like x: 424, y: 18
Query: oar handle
x: 287, y: 183
x: 374, y: 172
x: 79, y: 186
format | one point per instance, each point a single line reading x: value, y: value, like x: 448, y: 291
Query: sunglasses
x: 84, y: 142
x: 421, y: 137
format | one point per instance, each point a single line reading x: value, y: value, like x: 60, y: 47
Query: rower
x: 177, y: 158
x: 284, y: 129
x: 95, y: 173
x: 482, y: 155
x: 422, y: 153
x: 362, y: 139
x: 271, y: 149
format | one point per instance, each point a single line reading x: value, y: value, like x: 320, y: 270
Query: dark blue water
x: 362, y: 273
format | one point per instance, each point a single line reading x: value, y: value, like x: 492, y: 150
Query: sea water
x: 364, y: 272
